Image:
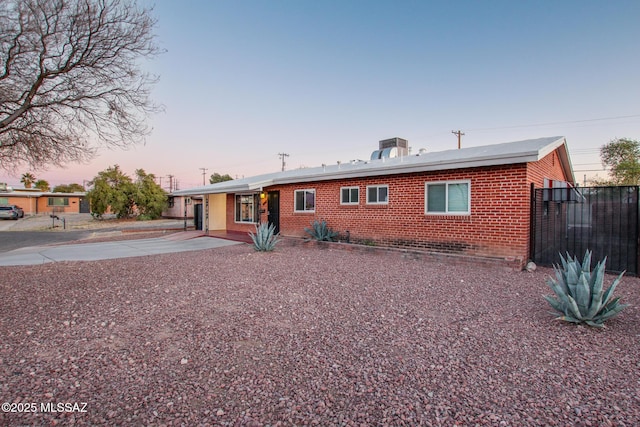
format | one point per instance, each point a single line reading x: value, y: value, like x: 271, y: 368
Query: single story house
x: 35, y: 202
x: 181, y: 206
x: 473, y: 201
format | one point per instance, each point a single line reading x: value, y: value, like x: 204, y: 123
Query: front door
x: 84, y: 205
x: 273, y: 207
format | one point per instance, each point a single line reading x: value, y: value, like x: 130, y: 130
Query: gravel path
x: 306, y: 336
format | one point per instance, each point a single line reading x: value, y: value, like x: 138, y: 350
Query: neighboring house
x: 176, y: 206
x: 34, y: 201
x: 473, y: 201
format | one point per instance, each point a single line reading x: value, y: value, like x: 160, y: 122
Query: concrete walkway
x: 177, y: 242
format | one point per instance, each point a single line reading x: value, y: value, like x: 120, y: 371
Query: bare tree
x: 71, y: 79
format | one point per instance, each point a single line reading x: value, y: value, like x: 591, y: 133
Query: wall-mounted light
x: 263, y: 195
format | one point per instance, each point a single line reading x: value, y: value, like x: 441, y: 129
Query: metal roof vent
x: 387, y: 153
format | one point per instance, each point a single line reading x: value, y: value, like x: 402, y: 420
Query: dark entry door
x: 84, y: 205
x: 273, y: 207
x: 197, y: 216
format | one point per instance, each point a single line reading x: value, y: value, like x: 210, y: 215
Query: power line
x: 559, y: 123
x: 170, y: 182
x: 204, y: 172
x: 459, y: 134
x: 282, y: 156
x: 585, y: 150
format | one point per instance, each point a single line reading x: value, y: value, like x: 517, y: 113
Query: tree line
x: 622, y: 157
x: 29, y: 180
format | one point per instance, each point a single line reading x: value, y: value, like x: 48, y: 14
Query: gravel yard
x: 306, y: 336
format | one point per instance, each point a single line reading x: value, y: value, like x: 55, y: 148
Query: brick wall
x: 232, y: 225
x: 498, y: 225
x: 73, y: 207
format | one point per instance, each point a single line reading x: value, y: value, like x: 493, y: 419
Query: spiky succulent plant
x: 581, y: 297
x: 265, y: 239
x: 321, y: 231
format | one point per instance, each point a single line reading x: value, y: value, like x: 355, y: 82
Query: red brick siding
x: 232, y: 225
x: 403, y: 223
x: 498, y: 225
x: 548, y: 167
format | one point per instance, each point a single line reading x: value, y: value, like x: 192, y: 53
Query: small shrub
x: 580, y: 292
x: 321, y: 232
x: 265, y: 239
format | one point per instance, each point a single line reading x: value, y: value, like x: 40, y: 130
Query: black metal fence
x: 601, y: 219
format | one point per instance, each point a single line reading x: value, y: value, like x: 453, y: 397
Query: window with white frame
x: 377, y: 194
x: 247, y: 208
x: 451, y: 197
x: 349, y: 195
x: 305, y: 200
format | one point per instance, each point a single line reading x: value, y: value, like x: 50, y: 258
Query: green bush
x: 265, y: 239
x: 320, y: 231
x: 580, y: 292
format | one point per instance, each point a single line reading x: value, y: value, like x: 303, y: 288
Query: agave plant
x: 265, y: 238
x: 581, y: 294
x: 321, y: 231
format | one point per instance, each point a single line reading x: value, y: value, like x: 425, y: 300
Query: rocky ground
x: 306, y: 336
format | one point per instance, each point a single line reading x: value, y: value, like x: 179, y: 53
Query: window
x: 247, y: 208
x: 378, y: 194
x: 58, y: 201
x: 171, y: 202
x: 4, y: 200
x: 305, y: 201
x: 448, y: 198
x: 349, y: 195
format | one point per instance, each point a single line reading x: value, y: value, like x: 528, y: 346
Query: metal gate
x: 601, y: 219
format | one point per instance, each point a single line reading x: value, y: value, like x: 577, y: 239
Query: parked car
x: 11, y: 212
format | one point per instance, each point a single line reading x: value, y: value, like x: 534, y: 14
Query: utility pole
x: 170, y: 183
x: 204, y: 172
x: 459, y: 134
x: 282, y: 156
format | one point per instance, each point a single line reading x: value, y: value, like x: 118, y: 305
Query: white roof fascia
x: 412, y: 164
x: 545, y: 151
x: 221, y: 189
x: 412, y: 168
x: 258, y: 185
x: 23, y: 194
x: 472, y: 157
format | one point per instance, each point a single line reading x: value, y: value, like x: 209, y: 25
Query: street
x: 38, y: 230
x: 10, y: 240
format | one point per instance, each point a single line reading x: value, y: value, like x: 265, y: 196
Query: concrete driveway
x: 37, y: 239
x: 177, y: 242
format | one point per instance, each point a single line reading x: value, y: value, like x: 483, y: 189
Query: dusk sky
x: 323, y: 81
